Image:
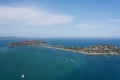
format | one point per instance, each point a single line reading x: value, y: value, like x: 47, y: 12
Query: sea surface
x: 38, y: 63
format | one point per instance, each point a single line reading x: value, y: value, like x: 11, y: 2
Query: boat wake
x: 73, y: 61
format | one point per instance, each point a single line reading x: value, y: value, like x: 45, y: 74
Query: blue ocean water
x: 38, y: 63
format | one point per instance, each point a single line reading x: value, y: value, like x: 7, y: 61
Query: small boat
x: 22, y: 76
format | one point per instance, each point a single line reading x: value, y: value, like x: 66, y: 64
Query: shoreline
x: 94, y: 54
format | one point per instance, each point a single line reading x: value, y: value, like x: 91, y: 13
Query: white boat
x: 22, y: 76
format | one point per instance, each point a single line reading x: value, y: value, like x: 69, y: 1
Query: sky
x: 60, y: 18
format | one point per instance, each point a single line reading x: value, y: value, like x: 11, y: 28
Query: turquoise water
x: 38, y: 63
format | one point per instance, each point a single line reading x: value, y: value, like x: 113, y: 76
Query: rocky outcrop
x: 27, y: 43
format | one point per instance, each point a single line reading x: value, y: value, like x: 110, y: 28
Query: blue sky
x: 60, y: 18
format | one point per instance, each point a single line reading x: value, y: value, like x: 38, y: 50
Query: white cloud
x: 30, y: 16
x: 87, y: 26
x: 114, y: 20
x: 96, y: 30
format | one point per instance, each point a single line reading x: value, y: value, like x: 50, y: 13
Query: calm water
x: 38, y: 63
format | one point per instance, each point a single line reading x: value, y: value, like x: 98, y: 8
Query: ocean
x: 37, y: 63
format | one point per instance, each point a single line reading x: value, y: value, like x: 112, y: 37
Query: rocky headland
x: 28, y: 43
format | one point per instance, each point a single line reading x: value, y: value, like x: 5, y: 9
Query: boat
x: 22, y: 76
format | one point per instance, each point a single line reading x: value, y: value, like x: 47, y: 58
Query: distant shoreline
x: 82, y: 52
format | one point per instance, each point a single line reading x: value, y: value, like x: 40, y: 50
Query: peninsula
x: 90, y: 50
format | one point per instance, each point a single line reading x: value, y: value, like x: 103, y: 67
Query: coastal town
x: 91, y: 50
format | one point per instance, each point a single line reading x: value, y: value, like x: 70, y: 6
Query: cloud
x: 30, y: 16
x: 86, y: 26
x: 114, y: 20
x: 96, y: 30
